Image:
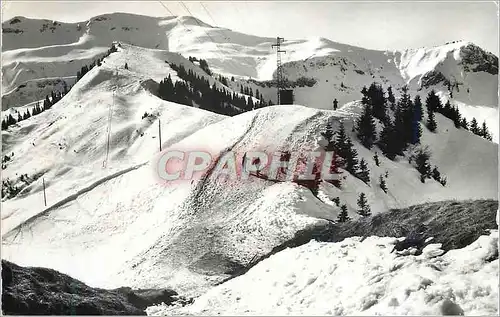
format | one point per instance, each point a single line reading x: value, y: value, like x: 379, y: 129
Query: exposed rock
x: 475, y: 59
x: 453, y: 224
x: 433, y: 78
x: 42, y: 291
x: 450, y: 308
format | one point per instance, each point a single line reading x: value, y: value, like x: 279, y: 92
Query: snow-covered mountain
x: 109, y: 221
x: 41, y: 50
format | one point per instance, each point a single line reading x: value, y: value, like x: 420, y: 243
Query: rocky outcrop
x: 475, y: 59
x: 433, y: 78
x: 454, y: 224
x: 42, y: 291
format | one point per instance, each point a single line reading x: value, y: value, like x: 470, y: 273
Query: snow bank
x: 356, y: 277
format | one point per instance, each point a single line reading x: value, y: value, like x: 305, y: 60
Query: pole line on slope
x: 110, y: 116
x: 229, y: 61
x: 159, y: 131
x: 211, y: 39
x: 44, y: 194
x: 215, y: 23
x: 221, y: 54
x: 223, y: 34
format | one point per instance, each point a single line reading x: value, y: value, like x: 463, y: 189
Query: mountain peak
x: 190, y: 20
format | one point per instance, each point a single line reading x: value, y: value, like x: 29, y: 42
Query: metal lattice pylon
x: 279, y: 72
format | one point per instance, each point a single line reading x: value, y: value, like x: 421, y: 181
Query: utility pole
x: 159, y: 132
x: 279, y: 73
x: 110, y: 117
x: 44, y: 195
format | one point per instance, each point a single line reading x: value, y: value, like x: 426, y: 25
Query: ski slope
x: 110, y: 222
x: 359, y: 277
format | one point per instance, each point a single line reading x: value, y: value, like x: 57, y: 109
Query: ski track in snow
x: 70, y: 198
x: 201, y: 183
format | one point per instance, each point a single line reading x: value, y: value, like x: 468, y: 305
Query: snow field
x: 359, y: 277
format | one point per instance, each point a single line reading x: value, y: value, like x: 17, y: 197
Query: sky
x: 374, y: 25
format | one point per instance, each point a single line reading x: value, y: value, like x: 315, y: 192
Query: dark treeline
x: 434, y: 104
x: 37, y: 109
x: 224, y: 80
x: 400, y: 124
x: 86, y: 68
x: 197, y: 89
x: 203, y: 65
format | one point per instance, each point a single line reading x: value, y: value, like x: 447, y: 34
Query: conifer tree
x: 447, y: 109
x: 376, y: 159
x: 436, y: 175
x: 364, y: 208
x: 404, y: 122
x: 433, y: 103
x: 387, y: 141
x: 351, y: 160
x: 390, y: 97
x: 418, y: 111
x: 364, y: 99
x: 382, y: 184
x: 431, y: 122
x: 328, y: 134
x: 336, y: 200
x: 11, y: 120
x: 19, y: 117
x: 343, y: 215
x: 340, y: 141
x: 484, y: 132
x: 366, y: 128
x: 47, y: 103
x: 4, y: 124
x: 474, y: 127
x: 464, y: 124
x: 376, y: 100
x: 422, y: 164
x: 363, y: 173
x: 250, y: 103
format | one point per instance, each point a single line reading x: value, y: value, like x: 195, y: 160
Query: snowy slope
x: 41, y: 50
x: 342, y: 74
x: 119, y: 225
x: 357, y: 277
x: 30, y: 53
x: 109, y: 221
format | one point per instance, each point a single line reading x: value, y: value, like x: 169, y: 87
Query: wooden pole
x: 44, y: 194
x: 159, y: 132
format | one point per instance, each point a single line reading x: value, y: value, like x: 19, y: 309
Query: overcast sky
x: 376, y: 25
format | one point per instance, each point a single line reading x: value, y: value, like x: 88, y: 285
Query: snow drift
x: 359, y: 277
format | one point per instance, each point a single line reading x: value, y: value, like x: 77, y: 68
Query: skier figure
x: 335, y: 104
